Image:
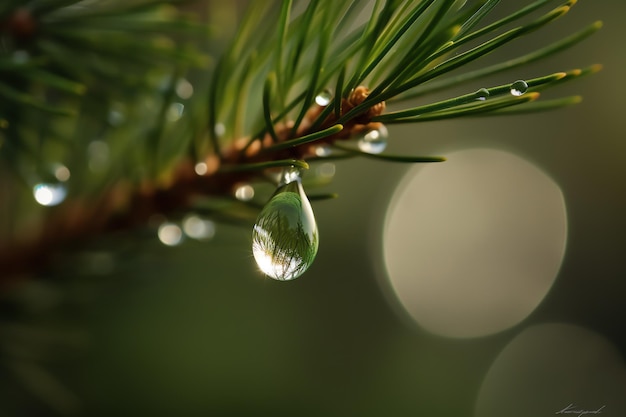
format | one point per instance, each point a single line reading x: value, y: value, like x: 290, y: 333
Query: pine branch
x: 275, y: 95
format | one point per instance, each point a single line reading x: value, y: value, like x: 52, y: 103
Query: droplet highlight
x: 285, y: 238
x: 518, y: 88
x: 374, y: 141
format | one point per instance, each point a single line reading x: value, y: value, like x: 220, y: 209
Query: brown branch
x: 124, y: 207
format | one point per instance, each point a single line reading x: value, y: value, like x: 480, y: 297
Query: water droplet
x: 323, y: 98
x: 198, y: 228
x: 518, y: 88
x: 482, y: 94
x: 170, y: 234
x: 285, y: 237
x: 49, y: 194
x: 244, y: 192
x: 374, y: 141
x: 184, y: 89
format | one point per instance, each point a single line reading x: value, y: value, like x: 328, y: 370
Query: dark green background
x: 195, y: 330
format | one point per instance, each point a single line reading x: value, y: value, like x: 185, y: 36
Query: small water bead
x: 518, y: 88
x: 323, y: 98
x: 374, y: 141
x: 482, y: 94
x: 244, y: 192
x: 285, y: 237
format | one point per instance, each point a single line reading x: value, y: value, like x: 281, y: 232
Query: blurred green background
x: 196, y: 330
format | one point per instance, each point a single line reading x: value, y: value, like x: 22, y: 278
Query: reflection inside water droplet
x: 285, y: 237
x: 518, y: 88
x: 374, y: 141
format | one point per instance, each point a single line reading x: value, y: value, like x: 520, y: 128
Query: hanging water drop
x: 323, y: 98
x: 285, y: 237
x: 374, y: 141
x: 518, y: 88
